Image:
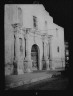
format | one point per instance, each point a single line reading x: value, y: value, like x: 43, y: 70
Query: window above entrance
x: 58, y: 49
x: 35, y: 22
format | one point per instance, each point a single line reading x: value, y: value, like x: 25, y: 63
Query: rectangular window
x: 58, y: 48
x: 21, y: 49
x: 20, y: 16
x: 34, y: 21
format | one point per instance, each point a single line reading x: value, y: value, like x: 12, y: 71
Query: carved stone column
x: 20, y: 51
x: 15, y: 47
x: 29, y: 62
x: 47, y: 60
x: 43, y: 58
x: 18, y: 58
x: 50, y: 54
x: 28, y: 52
x: 27, y: 57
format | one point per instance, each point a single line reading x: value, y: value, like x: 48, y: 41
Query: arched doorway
x: 35, y: 57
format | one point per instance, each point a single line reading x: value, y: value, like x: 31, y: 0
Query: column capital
x: 43, y: 37
x: 49, y: 37
x: 17, y: 27
x: 26, y: 31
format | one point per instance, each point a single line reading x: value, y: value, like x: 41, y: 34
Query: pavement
x: 13, y: 81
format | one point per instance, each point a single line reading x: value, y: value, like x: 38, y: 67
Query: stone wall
x: 9, y: 43
x: 25, y: 17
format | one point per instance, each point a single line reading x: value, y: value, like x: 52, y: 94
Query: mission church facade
x: 32, y: 40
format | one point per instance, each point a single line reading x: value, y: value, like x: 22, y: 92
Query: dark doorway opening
x: 35, y: 57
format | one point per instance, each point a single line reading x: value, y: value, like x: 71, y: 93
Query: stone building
x: 32, y: 40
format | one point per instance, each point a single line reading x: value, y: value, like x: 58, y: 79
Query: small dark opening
x: 34, y: 21
x: 58, y: 49
x: 21, y: 49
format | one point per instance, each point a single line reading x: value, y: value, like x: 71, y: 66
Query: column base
x: 44, y: 65
x: 20, y: 71
x: 28, y: 70
x: 47, y: 65
x: 9, y: 69
x: 53, y: 68
x: 48, y: 69
x: 27, y: 66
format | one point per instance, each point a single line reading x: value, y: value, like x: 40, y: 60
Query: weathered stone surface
x: 8, y: 69
x: 29, y: 32
x: 20, y: 71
